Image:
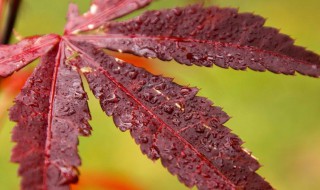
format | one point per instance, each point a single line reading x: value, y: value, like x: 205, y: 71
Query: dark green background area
x: 276, y: 115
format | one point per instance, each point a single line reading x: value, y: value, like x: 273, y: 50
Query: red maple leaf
x: 167, y: 120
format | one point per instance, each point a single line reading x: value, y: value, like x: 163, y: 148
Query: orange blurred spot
x: 102, y: 181
x: 10, y: 87
x: 13, y: 84
x: 134, y: 60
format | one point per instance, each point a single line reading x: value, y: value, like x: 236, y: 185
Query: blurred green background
x: 277, y: 116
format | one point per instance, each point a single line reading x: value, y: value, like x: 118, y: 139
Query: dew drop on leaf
x: 188, y: 116
x: 147, y: 52
x: 133, y: 74
x: 177, y: 11
x: 168, y: 108
x: 79, y: 95
x: 200, y: 129
x: 143, y: 139
x: 123, y: 121
x: 154, y: 153
x: 68, y: 175
x: 112, y: 98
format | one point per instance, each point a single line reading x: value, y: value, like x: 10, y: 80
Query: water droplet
x: 192, y: 10
x: 176, y: 121
x: 177, y: 11
x: 208, y: 148
x: 63, y: 150
x: 200, y: 129
x: 230, y: 58
x: 219, y: 162
x: 147, y: 52
x: 168, y: 108
x: 38, y: 80
x: 169, y: 157
x: 142, y: 82
x: 32, y: 104
x: 98, y: 92
x: 188, y: 116
x: 85, y: 130
x: 156, y: 13
x: 234, y: 143
x: 183, y: 154
x: 252, y: 169
x: 79, y: 95
x: 154, y: 153
x: 160, y: 87
x: 123, y: 122
x: 144, y: 75
x: 90, y: 26
x: 205, y: 175
x: 133, y: 74
x: 147, y: 96
x: 154, y: 100
x: 210, y: 58
x: 93, y: 9
x: 68, y: 174
x: 65, y: 110
x: 137, y: 88
x: 116, y: 70
x: 214, y: 135
x: 154, y: 20
x: 143, y: 139
x: 200, y: 27
x: 185, y: 91
x: 112, y: 98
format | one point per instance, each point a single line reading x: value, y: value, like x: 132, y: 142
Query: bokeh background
x: 277, y: 116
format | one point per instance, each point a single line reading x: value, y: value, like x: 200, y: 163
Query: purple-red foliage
x: 169, y: 121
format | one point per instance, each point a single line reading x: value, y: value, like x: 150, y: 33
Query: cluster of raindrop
x: 161, y: 116
x: 207, y: 36
x: 31, y: 113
